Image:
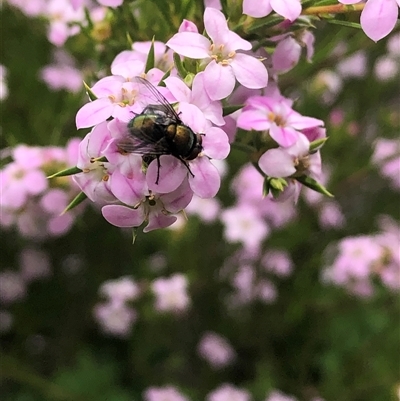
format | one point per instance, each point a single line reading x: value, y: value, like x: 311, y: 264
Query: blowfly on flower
x: 158, y: 130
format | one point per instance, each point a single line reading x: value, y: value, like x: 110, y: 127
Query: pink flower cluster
x: 64, y: 16
x: 33, y: 265
x: 387, y: 157
x: 115, y: 315
x: 250, y: 220
x: 251, y: 275
x: 30, y: 202
x: 362, y: 258
x: 131, y: 195
x: 171, y: 293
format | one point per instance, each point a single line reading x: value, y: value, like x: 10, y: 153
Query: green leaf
x: 89, y: 91
x: 226, y: 110
x: 317, y: 144
x: 66, y: 172
x: 150, y: 62
x: 314, y: 185
x: 179, y: 65
x: 266, y: 22
x: 344, y: 23
x: 75, y: 202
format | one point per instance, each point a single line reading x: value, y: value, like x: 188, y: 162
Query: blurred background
x: 87, y: 315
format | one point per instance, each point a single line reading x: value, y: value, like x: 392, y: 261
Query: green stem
x: 333, y: 9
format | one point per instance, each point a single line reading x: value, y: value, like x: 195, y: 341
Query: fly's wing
x: 156, y: 100
x: 149, y: 139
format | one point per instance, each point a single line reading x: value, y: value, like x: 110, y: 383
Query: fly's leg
x: 158, y: 169
x: 186, y: 165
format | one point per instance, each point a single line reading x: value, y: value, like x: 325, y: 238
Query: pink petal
x: 171, y: 174
x: 290, y: 9
x: 128, y: 69
x: 284, y: 136
x: 219, y: 80
x: 253, y: 119
x: 128, y: 190
x: 177, y: 200
x: 59, y: 225
x: 277, y: 163
x: 98, y: 140
x: 123, y: 216
x: 349, y: 1
x: 216, y: 143
x: 235, y: 42
x: 206, y: 180
x: 300, y: 148
x: 178, y: 88
x: 249, y: 71
x: 192, y: 116
x: 157, y: 219
x: 216, y: 25
x: 190, y: 44
x: 379, y: 18
x: 257, y: 8
x: 286, y: 55
x: 93, y: 113
x: 299, y: 122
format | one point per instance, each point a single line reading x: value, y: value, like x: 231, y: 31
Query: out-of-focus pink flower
x: 167, y: 393
x: 171, y: 293
x: 228, y: 392
x: 387, y: 157
x: 290, y: 9
x: 279, y: 396
x: 120, y: 291
x: 34, y: 264
x: 216, y: 350
x: 354, y: 66
x: 224, y: 64
x: 28, y: 202
x: 378, y: 18
x: 3, y: 83
x: 277, y: 262
x: 243, y: 224
x: 12, y: 287
x: 115, y: 318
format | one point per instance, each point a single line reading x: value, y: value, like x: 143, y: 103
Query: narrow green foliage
x: 75, y: 202
x: 344, y: 23
x: 64, y: 173
x: 89, y: 91
x: 150, y: 62
x: 317, y: 144
x: 314, y: 185
x: 231, y: 109
x: 179, y: 65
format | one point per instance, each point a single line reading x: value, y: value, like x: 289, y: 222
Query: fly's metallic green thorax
x: 158, y: 130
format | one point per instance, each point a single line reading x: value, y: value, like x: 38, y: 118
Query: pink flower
x: 12, y: 287
x: 115, y: 318
x: 378, y: 18
x: 289, y: 9
x: 277, y: 262
x: 171, y: 293
x: 219, y: 55
x: 93, y: 180
x: 286, y: 55
x: 243, y: 224
x: 276, y: 115
x: 34, y: 264
x: 167, y: 393
x: 279, y: 396
x: 212, y: 110
x: 216, y: 350
x: 228, y: 392
x: 120, y: 291
x: 155, y: 209
x: 284, y: 162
